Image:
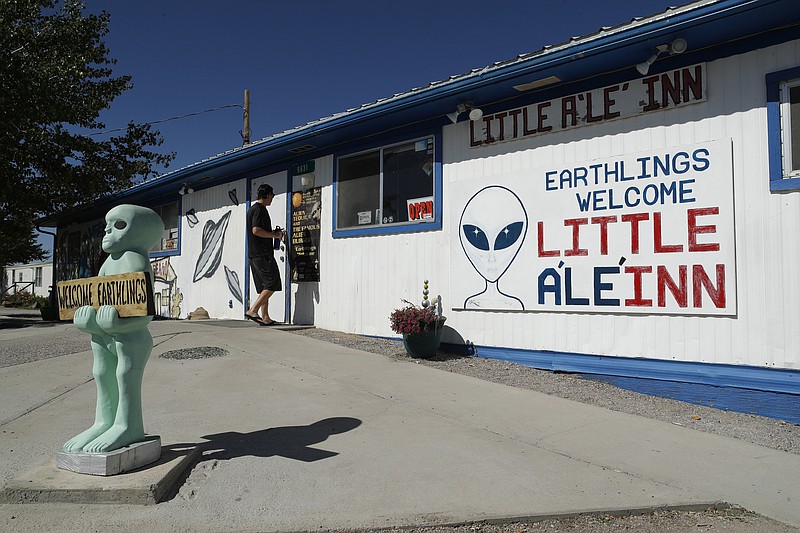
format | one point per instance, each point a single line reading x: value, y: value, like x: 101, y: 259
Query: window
x: 783, y: 122
x: 37, y: 280
x: 389, y: 189
x: 169, y: 240
x: 790, y: 127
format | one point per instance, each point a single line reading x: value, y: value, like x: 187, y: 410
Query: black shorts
x: 266, y: 275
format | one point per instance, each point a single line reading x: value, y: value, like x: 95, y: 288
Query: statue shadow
x: 292, y: 442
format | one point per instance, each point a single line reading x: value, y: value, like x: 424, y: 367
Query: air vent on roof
x: 303, y: 149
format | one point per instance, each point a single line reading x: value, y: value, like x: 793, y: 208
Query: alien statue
x: 120, y: 346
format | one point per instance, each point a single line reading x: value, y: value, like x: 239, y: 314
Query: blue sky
x: 307, y: 59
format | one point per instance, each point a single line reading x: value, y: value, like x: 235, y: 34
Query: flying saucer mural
x: 213, y: 243
x: 212, y: 246
x: 191, y: 218
x: 233, y: 284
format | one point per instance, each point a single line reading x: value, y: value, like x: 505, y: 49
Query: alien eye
x: 120, y: 224
x: 508, y: 236
x: 476, y: 237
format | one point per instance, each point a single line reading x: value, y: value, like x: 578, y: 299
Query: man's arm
x: 261, y: 232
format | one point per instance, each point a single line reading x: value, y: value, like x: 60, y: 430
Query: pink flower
x: 412, y: 319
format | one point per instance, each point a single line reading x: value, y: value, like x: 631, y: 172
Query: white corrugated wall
x: 211, y: 262
x: 363, y: 279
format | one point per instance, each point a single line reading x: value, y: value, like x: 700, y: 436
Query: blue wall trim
x: 286, y: 267
x: 719, y: 375
x: 156, y: 255
x: 248, y: 185
x: 776, y: 180
x: 782, y: 184
x: 391, y: 229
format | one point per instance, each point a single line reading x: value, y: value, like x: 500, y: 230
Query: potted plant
x: 48, y: 307
x: 49, y: 313
x: 421, y: 327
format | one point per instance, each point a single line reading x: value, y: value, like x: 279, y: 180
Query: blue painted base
x: 774, y: 393
x: 772, y: 404
x: 718, y: 375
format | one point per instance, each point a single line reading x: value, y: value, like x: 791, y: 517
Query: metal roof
x: 712, y: 28
x: 604, y: 31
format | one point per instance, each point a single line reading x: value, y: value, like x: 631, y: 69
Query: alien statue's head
x: 132, y: 228
x: 492, y: 228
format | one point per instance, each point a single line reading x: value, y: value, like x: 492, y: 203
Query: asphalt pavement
x: 297, y: 434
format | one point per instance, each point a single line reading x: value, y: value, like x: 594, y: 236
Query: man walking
x: 263, y: 266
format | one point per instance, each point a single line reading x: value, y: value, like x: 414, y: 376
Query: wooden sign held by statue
x: 131, y: 294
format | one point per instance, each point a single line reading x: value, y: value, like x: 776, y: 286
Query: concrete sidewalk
x: 303, y: 435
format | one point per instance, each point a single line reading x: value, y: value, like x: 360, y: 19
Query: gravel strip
x: 732, y: 520
x: 46, y: 343
x: 201, y: 352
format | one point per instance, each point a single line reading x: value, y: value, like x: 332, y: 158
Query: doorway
x: 279, y: 301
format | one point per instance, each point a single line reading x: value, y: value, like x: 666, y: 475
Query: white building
x: 35, y: 278
x: 625, y: 203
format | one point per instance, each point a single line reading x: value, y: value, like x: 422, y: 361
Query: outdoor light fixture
x: 644, y: 67
x: 185, y: 190
x: 475, y: 114
x: 307, y: 181
x: 464, y: 107
x: 678, y: 46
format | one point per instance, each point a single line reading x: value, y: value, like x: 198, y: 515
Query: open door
x: 278, y: 215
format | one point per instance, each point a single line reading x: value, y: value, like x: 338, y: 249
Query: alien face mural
x: 492, y: 229
x: 493, y: 226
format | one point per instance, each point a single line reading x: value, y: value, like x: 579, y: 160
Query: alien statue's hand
x: 85, y: 320
x: 108, y: 319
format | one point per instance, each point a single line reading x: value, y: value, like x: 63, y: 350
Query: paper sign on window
x: 420, y: 208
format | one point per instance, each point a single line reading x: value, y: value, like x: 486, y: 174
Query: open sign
x: 420, y: 208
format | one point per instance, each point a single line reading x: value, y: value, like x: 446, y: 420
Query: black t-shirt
x: 258, y: 217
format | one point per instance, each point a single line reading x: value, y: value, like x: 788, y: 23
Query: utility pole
x: 246, y: 130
